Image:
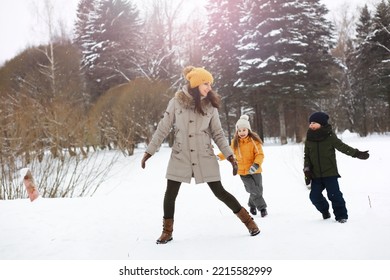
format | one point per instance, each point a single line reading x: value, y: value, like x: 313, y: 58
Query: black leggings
x: 216, y: 187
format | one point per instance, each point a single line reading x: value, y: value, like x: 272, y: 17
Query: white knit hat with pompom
x: 243, y: 122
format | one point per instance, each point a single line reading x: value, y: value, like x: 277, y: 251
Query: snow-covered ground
x: 124, y: 218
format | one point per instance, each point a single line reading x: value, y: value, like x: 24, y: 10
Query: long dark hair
x: 212, y: 96
x: 251, y: 134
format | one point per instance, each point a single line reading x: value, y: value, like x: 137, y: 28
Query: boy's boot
x: 325, y: 215
x: 166, y: 234
x: 248, y: 221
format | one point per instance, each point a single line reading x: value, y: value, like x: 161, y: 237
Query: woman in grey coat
x: 194, y: 113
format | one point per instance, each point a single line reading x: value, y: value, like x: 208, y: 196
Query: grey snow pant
x: 254, y: 186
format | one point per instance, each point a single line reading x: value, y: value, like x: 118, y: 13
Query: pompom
x: 187, y: 70
x: 243, y: 122
x: 245, y: 117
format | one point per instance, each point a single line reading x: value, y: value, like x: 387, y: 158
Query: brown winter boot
x: 248, y: 221
x: 166, y: 234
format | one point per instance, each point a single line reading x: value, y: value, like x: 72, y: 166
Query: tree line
x: 107, y: 86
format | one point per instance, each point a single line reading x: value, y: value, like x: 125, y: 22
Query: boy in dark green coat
x: 320, y: 166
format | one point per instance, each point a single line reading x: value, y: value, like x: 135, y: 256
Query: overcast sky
x: 20, y: 26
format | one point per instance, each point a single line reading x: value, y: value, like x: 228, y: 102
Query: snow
x: 121, y: 222
x: 273, y: 33
x: 265, y: 63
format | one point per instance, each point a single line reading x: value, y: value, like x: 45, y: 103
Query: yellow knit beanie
x: 197, y: 76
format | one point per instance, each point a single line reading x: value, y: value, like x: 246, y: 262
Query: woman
x: 194, y: 112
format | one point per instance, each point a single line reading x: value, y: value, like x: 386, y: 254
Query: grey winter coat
x: 192, y: 152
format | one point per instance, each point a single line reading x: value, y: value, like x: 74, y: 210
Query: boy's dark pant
x: 318, y: 185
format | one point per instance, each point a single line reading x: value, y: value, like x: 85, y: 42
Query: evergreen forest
x: 106, y: 86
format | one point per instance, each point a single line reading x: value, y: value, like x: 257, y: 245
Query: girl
x: 247, y: 148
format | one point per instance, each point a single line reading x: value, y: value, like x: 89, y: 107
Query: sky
x: 20, y: 25
x: 94, y: 237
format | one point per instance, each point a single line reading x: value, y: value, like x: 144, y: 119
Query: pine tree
x: 317, y: 93
x: 84, y: 39
x: 340, y: 106
x: 369, y: 70
x: 284, y: 48
x: 84, y: 11
x: 360, y: 65
x: 267, y: 46
x: 317, y: 32
x: 221, y: 54
x: 380, y: 39
x: 109, y: 35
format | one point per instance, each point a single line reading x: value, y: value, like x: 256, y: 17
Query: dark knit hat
x: 319, y: 117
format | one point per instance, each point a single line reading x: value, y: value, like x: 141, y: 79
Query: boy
x: 320, y: 166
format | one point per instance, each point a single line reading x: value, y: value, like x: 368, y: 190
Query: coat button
x: 190, y: 135
x: 192, y: 150
x: 194, y: 164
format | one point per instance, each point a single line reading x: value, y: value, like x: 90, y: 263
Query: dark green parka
x: 320, y: 154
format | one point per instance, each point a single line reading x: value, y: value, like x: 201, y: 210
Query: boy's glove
x: 253, y: 168
x: 361, y: 155
x: 144, y: 159
x: 308, y: 175
x: 234, y: 164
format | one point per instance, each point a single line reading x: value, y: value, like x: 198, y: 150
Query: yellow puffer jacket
x: 249, y: 152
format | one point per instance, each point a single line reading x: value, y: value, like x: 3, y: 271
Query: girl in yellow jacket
x: 247, y: 148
